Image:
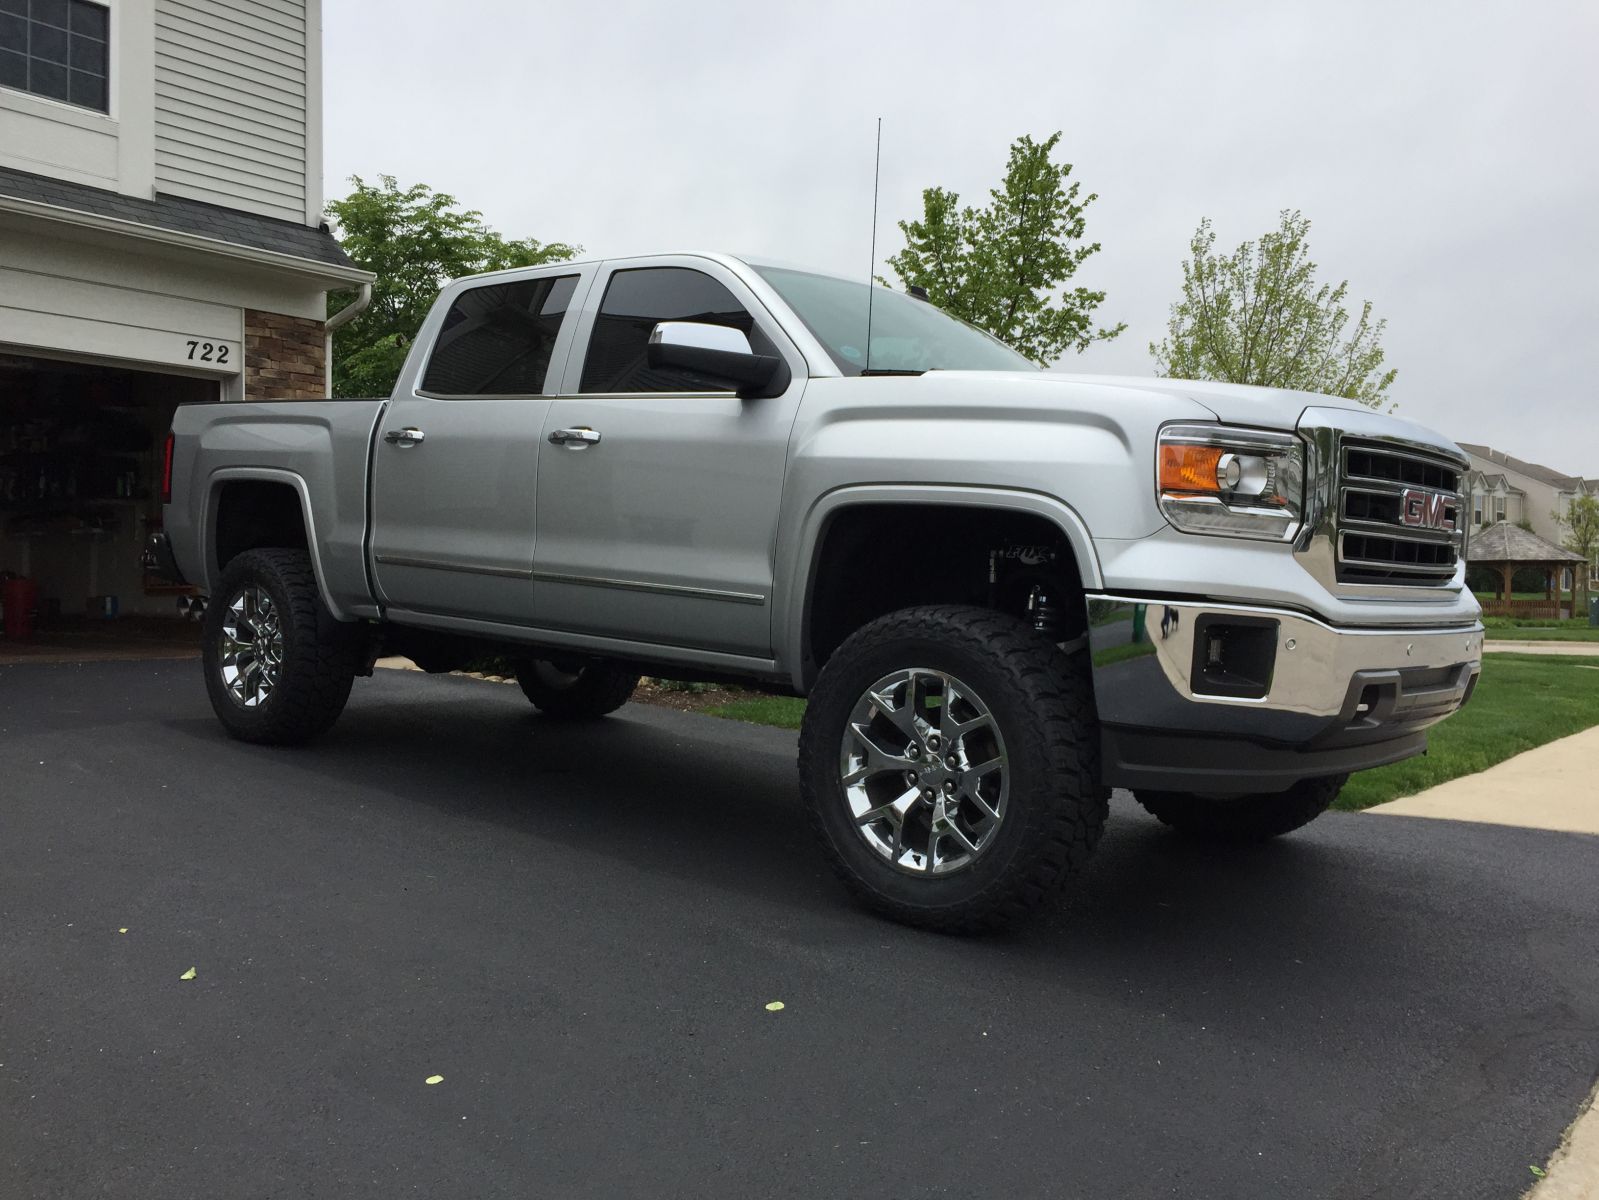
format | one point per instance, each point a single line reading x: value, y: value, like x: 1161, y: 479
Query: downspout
x: 348, y: 313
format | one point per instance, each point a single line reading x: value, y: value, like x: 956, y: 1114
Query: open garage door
x: 80, y: 462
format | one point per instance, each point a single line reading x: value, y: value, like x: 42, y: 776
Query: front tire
x: 572, y: 691
x: 1249, y: 818
x: 949, y: 767
x: 278, y: 665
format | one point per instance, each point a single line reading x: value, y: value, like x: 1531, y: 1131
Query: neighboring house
x: 1508, y: 489
x: 161, y: 240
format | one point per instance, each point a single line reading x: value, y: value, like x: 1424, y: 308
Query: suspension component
x: 1044, y: 613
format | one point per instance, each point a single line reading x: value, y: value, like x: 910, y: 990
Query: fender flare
x: 793, y: 605
x: 213, y: 498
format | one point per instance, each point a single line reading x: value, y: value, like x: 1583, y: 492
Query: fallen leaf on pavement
x: 189, y: 974
x: 435, y: 1079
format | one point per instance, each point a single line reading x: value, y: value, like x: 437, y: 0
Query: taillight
x: 166, y: 469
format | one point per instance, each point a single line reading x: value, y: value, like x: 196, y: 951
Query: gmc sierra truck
x: 1005, y: 591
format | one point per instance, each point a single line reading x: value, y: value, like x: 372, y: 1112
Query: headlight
x: 1234, y: 482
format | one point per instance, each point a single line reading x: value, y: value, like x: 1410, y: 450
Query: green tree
x: 415, y: 240
x: 1258, y: 315
x: 1581, y: 524
x: 1002, y: 267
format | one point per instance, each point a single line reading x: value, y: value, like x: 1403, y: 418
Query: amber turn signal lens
x: 1189, y: 468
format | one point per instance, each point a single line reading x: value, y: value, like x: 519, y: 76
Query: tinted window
x: 55, y: 48
x: 635, y: 301
x: 496, y: 340
x: 907, y: 334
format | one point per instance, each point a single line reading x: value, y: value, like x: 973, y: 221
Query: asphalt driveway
x: 580, y: 930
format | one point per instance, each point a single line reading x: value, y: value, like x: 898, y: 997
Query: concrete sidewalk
x: 1553, y: 786
x: 1574, y: 1170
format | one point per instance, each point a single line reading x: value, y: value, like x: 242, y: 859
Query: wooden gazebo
x: 1509, y: 548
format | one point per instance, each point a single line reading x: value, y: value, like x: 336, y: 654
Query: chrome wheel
x: 252, y: 648
x: 924, y: 771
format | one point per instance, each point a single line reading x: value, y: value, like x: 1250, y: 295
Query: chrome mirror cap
x: 698, y: 335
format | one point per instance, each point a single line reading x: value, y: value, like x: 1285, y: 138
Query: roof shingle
x: 181, y: 216
x: 1503, y: 542
x: 1566, y: 483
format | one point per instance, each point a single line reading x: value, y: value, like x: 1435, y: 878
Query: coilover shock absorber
x: 1044, y: 612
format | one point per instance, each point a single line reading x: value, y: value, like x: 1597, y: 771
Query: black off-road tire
x: 320, y: 653
x: 593, y: 690
x: 1250, y: 818
x: 1042, y: 701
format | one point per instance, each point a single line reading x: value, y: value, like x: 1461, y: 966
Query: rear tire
x: 585, y: 692
x: 988, y: 799
x: 278, y: 665
x: 1252, y: 818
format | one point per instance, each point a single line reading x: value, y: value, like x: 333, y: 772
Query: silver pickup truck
x: 1005, y: 591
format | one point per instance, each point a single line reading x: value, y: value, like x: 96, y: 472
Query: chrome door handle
x: 577, y: 438
x: 408, y: 436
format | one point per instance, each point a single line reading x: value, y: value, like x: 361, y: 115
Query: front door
x: 658, y: 499
x: 453, y: 492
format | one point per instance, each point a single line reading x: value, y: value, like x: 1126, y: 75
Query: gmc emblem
x: 1426, y: 510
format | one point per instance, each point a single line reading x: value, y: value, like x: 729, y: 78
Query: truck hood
x: 1235, y: 403
x: 1275, y: 408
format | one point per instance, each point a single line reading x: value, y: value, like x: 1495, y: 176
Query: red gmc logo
x: 1426, y: 510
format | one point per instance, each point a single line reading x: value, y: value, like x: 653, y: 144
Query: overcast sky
x: 1445, y: 152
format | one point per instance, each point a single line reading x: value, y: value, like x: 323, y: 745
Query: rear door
x: 453, y: 492
x: 659, y: 524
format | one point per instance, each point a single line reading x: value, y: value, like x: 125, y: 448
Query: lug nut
x: 933, y: 742
x: 949, y: 787
x: 952, y: 762
x: 910, y: 778
x: 927, y: 794
x: 913, y: 751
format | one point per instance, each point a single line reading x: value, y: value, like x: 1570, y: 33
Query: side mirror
x: 717, y: 351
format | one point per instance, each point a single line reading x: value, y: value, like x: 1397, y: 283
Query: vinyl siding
x: 230, y: 104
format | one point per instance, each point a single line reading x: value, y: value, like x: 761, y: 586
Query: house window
x: 56, y: 49
x: 1476, y: 510
x: 1499, y: 508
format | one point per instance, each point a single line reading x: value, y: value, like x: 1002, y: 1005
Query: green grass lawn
x: 1564, y: 633
x: 1522, y: 701
x: 783, y: 711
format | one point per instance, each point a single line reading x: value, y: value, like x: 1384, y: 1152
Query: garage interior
x: 80, y: 477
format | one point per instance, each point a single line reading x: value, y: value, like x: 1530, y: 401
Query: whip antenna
x: 871, y: 271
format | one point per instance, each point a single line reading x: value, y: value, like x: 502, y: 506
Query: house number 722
x: 207, y: 351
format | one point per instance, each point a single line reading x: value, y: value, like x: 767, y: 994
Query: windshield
x: 907, y: 334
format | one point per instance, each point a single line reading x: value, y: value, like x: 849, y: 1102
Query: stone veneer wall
x: 285, y: 358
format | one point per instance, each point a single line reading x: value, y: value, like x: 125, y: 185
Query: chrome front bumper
x: 1219, y: 697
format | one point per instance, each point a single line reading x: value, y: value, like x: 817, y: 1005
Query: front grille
x: 1375, y: 544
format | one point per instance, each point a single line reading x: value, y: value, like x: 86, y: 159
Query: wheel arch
x: 1007, y: 511
x: 248, y: 508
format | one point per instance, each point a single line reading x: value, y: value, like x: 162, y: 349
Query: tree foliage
x: 415, y: 240
x: 1581, y: 524
x: 1002, y: 267
x: 1258, y: 315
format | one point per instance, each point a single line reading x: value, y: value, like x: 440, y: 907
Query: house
x: 161, y: 241
x: 1503, y: 488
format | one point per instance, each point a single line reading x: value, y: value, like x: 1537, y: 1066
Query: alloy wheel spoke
x: 951, y: 829
x: 894, y: 811
x: 902, y: 716
x: 983, y: 805
x: 874, y: 759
